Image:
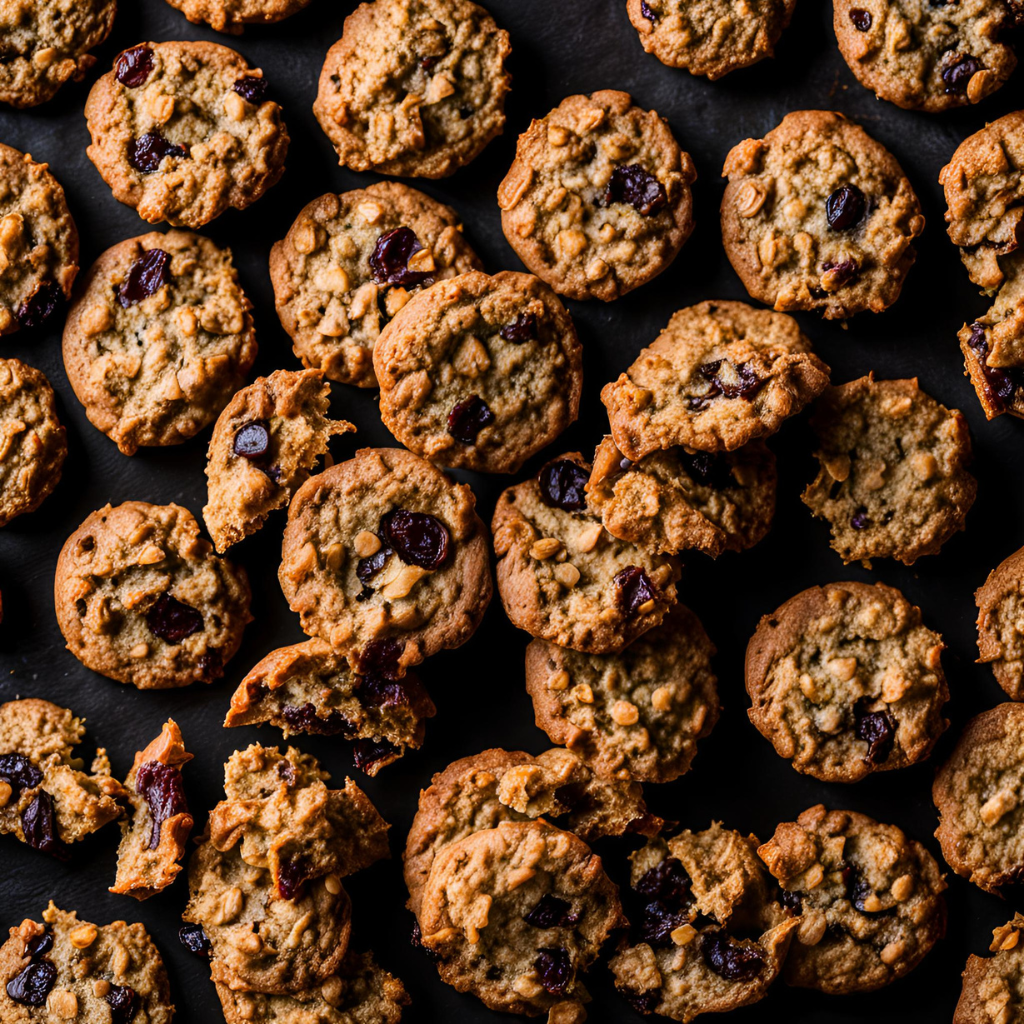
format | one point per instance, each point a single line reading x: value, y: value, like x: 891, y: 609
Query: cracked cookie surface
x: 1000, y: 602
x: 993, y: 987
x: 233, y: 15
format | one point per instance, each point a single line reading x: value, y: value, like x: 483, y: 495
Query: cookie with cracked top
x: 993, y: 987
x: 597, y: 201
x: 1000, y: 615
x: 818, y: 215
x: 233, y: 15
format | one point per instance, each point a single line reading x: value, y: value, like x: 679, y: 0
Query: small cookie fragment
x: 1000, y: 622
x: 993, y: 987
x: 233, y: 15
x: 597, y: 201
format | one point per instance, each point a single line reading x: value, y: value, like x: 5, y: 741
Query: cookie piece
x: 868, y: 899
x: 160, y: 335
x: 711, y: 936
x: 141, y: 598
x: 233, y: 15
x: 818, y: 215
x: 181, y: 131
x: 993, y: 987
x: 480, y: 372
x: 414, y: 87
x: 33, y: 444
x: 38, y: 242
x: 1000, y: 636
x: 710, y: 37
x: 65, y: 969
x: 46, y: 43
x: 309, y: 688
x: 265, y: 444
x: 893, y: 481
x: 719, y: 375
x: 153, y: 838
x: 45, y: 799
x: 597, y: 201
x: 350, y: 261
x: 386, y: 558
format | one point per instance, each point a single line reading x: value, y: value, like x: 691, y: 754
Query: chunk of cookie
x: 818, y: 215
x: 1000, y: 602
x: 993, y: 987
x: 480, y: 372
x: 414, y: 87
x: 597, y: 201
x: 711, y: 936
x: 183, y: 131
x: 351, y: 261
x: 158, y: 338
x: 386, y: 558
x: 141, y: 598
x: 233, y: 15
x: 265, y: 444
x: 309, y: 688
x: 893, y: 481
x: 868, y: 900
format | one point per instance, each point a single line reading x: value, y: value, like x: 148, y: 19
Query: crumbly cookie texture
x: 46, y: 43
x: 978, y: 793
x: 711, y: 936
x: 818, y: 215
x: 597, y: 201
x: 310, y: 688
x: 868, y: 900
x: 182, y: 131
x: 38, y: 242
x: 414, y: 87
x: 233, y: 15
x: 893, y: 481
x: 351, y: 261
x: 153, y: 837
x: 710, y: 37
x: 845, y: 680
x: 516, y: 914
x: 385, y: 558
x: 158, y: 338
x: 46, y: 800
x: 719, y: 375
x: 141, y: 597
x: 61, y: 969
x: 1000, y: 602
x: 33, y: 444
x: 635, y: 715
x: 480, y: 372
x: 265, y: 444
x: 993, y: 987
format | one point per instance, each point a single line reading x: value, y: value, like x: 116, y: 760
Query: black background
x: 559, y: 47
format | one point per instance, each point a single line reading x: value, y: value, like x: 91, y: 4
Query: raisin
x: 647, y: 12
x: 134, y: 66
x: 416, y: 940
x: 659, y: 921
x: 844, y: 207
x: 32, y: 985
x: 124, y: 1004
x: 552, y: 912
x: 146, y: 275
x: 40, y: 944
x: 729, y: 959
x: 791, y: 901
x: 420, y: 539
x: 252, y: 441
x: 957, y: 75
x: 39, y: 823
x: 708, y: 469
x: 876, y: 728
x: 148, y: 152
x: 744, y: 384
x: 367, y: 568
x: 368, y: 753
x: 171, y: 620
x: 522, y: 329
x: 381, y: 657
x: 665, y: 881
x: 251, y: 88
x: 389, y: 261
x: 39, y: 307
x: 861, y: 19
x: 633, y: 589
x: 842, y: 272
x: 291, y: 876
x: 468, y: 418
x: 195, y: 940
x: 561, y: 485
x: 1001, y: 384
x: 645, y: 1002
x: 160, y: 785
x: 638, y: 188
x: 857, y: 888
x: 210, y: 664
x: 19, y: 772
x: 554, y: 970
x: 859, y: 520
x: 305, y: 719
x: 381, y: 692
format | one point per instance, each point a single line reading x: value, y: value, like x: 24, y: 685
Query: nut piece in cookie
x: 597, y: 201
x: 992, y: 986
x: 818, y: 215
x: 711, y: 935
x: 158, y: 338
x: 183, y: 131
x: 480, y: 372
x: 233, y: 15
x: 893, y: 481
x: 1000, y: 618
x: 414, y: 87
x: 141, y: 597
x: 309, y: 688
x: 265, y: 444
x: 867, y: 900
x: 153, y: 838
x: 351, y: 261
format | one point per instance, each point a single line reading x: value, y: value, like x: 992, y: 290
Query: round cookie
x: 386, y: 558
x: 480, y: 372
x: 638, y: 714
x: 926, y: 56
x: 158, y: 338
x: 868, y: 899
x: 993, y: 987
x: 182, y: 131
x: 46, y: 43
x: 893, y: 481
x: 414, y: 87
x: 38, y: 242
x: 33, y: 444
x: 597, y: 201
x: 141, y: 598
x: 844, y: 680
x: 233, y: 15
x: 562, y: 577
x: 710, y: 37
x: 351, y: 261
x: 818, y: 215
x: 1000, y: 615
x: 719, y: 375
